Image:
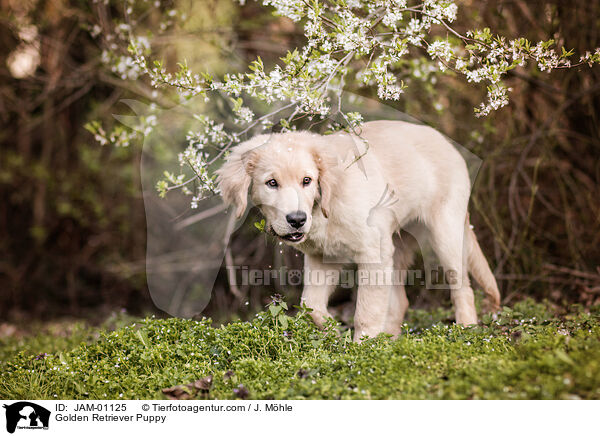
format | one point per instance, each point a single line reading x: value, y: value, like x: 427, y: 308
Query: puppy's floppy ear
x: 235, y: 175
x: 327, y: 163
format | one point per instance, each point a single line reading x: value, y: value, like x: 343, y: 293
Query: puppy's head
x: 287, y: 175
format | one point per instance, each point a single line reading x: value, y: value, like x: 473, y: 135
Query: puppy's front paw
x: 320, y: 317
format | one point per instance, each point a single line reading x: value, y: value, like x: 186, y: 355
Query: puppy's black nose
x: 296, y: 219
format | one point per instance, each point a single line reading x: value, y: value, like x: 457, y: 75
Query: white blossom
x: 379, y: 43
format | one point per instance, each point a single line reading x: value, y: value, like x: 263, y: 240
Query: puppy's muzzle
x: 296, y: 219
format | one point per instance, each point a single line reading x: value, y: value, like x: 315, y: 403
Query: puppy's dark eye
x: 306, y: 181
x: 272, y: 183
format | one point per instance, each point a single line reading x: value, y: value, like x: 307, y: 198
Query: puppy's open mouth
x: 293, y: 237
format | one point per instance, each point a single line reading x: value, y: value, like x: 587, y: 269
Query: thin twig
x: 200, y: 216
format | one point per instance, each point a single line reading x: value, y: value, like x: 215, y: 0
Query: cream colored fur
x: 408, y: 177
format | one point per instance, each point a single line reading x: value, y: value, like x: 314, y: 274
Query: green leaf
x: 274, y: 310
x: 143, y: 337
x: 62, y: 359
x: 564, y: 357
x: 260, y: 225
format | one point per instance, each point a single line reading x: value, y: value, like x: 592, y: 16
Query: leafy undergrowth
x: 523, y: 352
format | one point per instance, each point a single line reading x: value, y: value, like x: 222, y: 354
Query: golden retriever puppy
x: 341, y: 198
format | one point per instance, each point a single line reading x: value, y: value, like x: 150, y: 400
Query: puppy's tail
x: 480, y: 270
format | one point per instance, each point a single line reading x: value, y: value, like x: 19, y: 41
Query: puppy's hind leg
x: 403, y: 257
x: 480, y: 270
x: 448, y: 240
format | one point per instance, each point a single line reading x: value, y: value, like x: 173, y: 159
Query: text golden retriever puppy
x: 341, y: 198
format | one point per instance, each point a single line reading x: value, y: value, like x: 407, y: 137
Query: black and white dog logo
x: 26, y: 415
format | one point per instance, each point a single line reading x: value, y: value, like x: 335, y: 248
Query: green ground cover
x: 525, y: 352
